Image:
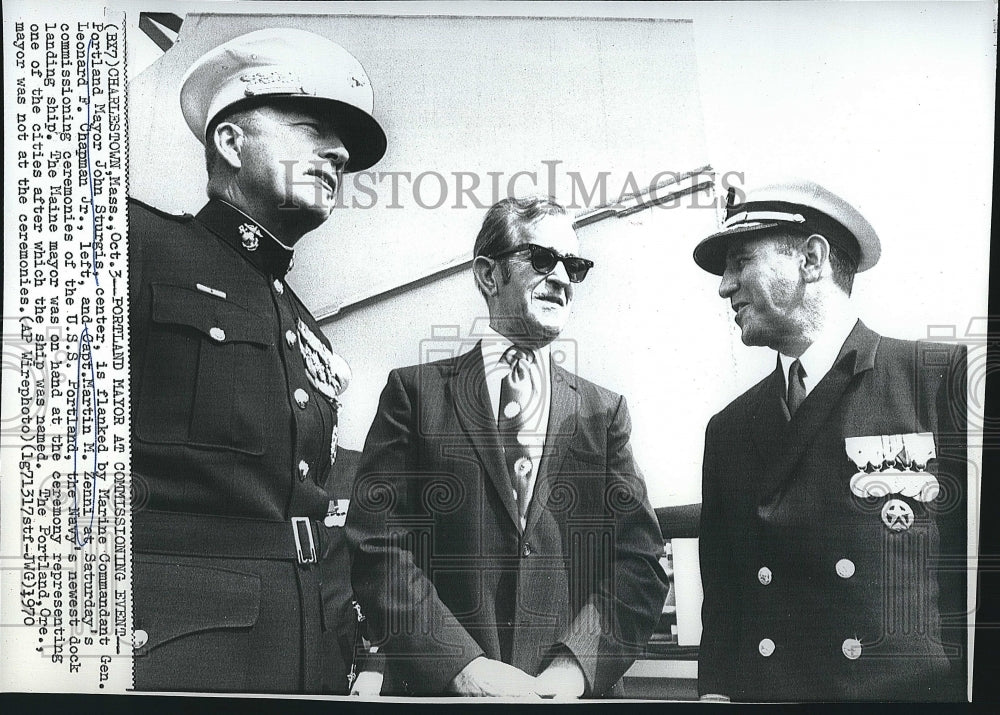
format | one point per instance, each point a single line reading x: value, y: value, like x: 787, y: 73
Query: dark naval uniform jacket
x: 241, y: 572
x: 811, y: 591
x: 445, y: 571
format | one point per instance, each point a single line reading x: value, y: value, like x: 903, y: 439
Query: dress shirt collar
x: 494, y: 345
x: 820, y: 356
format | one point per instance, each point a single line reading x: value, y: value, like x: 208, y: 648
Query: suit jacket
x: 442, y: 567
x: 794, y: 565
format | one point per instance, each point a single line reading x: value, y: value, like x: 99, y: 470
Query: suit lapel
x: 769, y: 418
x: 562, y: 426
x: 856, y: 356
x: 466, y: 389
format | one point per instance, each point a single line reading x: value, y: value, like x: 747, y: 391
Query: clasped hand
x: 484, y: 677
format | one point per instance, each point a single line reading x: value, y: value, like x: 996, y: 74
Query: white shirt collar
x: 820, y: 356
x: 494, y: 345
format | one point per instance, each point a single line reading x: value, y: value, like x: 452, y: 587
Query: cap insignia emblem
x: 273, y: 82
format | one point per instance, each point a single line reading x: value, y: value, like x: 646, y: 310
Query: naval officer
x: 834, y: 491
x: 241, y: 572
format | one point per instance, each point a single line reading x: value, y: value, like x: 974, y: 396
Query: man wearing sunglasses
x: 504, y: 544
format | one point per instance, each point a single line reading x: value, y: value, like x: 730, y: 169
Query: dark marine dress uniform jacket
x: 241, y: 573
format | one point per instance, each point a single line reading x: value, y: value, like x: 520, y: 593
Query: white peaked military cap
x: 798, y: 204
x: 269, y: 65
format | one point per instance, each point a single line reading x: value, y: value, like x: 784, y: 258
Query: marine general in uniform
x: 833, y: 532
x: 241, y: 573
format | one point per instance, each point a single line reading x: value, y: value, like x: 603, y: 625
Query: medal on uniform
x: 328, y: 372
x: 333, y: 445
x: 250, y: 235
x: 894, y: 464
x: 336, y: 513
x: 897, y: 515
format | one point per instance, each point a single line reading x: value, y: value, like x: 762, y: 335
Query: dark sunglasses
x: 544, y: 261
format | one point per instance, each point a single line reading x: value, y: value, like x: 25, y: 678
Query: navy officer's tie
x: 796, y: 387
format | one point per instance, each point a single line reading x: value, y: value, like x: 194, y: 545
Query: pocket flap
x: 180, y: 599
x: 219, y: 319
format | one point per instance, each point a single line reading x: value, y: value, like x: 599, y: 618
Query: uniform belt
x: 299, y: 539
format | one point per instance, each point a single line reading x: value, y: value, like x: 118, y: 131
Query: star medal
x: 897, y: 515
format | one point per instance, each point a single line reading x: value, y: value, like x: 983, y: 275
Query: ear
x: 228, y: 139
x: 816, y: 255
x: 482, y: 269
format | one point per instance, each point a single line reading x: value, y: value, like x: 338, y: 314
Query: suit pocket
x: 205, y: 366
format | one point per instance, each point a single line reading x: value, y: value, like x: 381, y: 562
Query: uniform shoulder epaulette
x: 180, y: 218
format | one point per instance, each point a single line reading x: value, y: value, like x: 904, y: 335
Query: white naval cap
x: 286, y: 63
x: 798, y: 204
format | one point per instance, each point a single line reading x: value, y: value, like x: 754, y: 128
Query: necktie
x: 516, y: 403
x: 796, y: 387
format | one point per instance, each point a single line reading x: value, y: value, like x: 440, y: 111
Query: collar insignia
x: 251, y: 236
